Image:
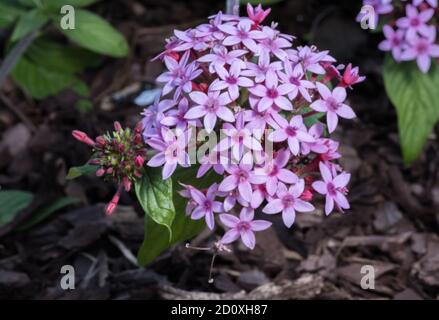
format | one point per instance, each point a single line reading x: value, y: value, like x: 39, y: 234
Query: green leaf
x: 96, y: 34
x: 84, y: 105
x: 55, y: 5
x: 45, y: 212
x: 28, y: 22
x: 155, y: 197
x: 11, y: 203
x: 309, y: 121
x: 414, y: 95
x: 76, y: 172
x: 58, y: 57
x: 8, y: 14
x: 40, y: 82
x: 156, y: 238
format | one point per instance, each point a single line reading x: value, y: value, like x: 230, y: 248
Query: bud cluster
x: 119, y: 155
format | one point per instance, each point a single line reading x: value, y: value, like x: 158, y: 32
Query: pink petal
x: 424, y: 62
x: 329, y: 205
x: 283, y: 103
x: 332, y: 119
x: 210, y: 220
x: 274, y: 206
x: 260, y: 225
x: 195, y: 112
x: 158, y: 160
x: 287, y: 176
x: 339, y: 94
x: 230, y: 236
x: 228, y: 184
x: 341, y: 200
x: 198, y: 97
x: 258, y: 90
x: 247, y: 214
x: 248, y: 238
x: 278, y: 136
x: 228, y: 220
x: 198, y: 213
x: 226, y: 114
x: 294, y: 145
x: 320, y: 187
x: 341, y: 180
x: 319, y: 106
x: 303, y: 206
x: 209, y: 122
x: 231, y: 40
x: 168, y: 169
x: 264, y: 104
x: 325, y: 172
x: 324, y: 91
x: 288, y: 216
x: 346, y: 112
x: 271, y: 185
x: 245, y: 189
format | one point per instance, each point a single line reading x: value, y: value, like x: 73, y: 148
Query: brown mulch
x: 393, y: 223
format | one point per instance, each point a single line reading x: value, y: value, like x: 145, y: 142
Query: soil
x: 392, y: 225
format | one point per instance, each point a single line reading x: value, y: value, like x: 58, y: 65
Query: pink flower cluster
x: 235, y: 75
x: 411, y: 32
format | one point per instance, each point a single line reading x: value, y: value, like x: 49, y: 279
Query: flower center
x: 273, y: 169
x: 272, y: 93
x: 242, y: 176
x: 291, y: 131
x: 331, y: 189
x: 422, y: 47
x: 243, y: 226
x: 288, y: 201
x: 231, y: 80
x: 295, y: 81
x: 207, y: 205
x: 396, y: 41
x: 332, y: 104
x: 211, y: 105
x: 242, y: 34
x: 414, y: 22
x: 239, y: 137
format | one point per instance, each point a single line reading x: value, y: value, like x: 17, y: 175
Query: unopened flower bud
x: 306, y: 195
x: 101, y: 141
x: 83, y: 137
x: 113, y: 203
x: 100, y: 172
x: 139, y: 161
x: 117, y: 126
x: 126, y: 184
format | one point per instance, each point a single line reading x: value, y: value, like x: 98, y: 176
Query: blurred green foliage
x: 49, y: 66
x: 414, y: 95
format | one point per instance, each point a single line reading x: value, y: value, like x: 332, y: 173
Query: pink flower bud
x: 100, y: 172
x: 101, y: 141
x: 139, y: 128
x: 351, y: 76
x: 113, y: 203
x: 83, y: 137
x: 126, y: 184
x: 306, y: 195
x: 139, y: 161
x: 117, y: 126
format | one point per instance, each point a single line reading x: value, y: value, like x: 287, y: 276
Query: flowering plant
x: 410, y: 29
x: 259, y: 100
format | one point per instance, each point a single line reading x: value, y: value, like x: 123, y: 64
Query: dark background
x: 393, y: 223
